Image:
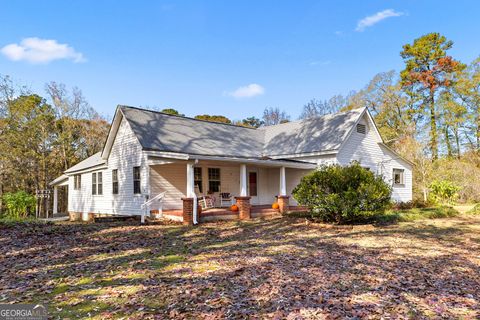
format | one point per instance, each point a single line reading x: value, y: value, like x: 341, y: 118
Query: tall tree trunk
x: 447, y: 141
x: 457, y: 142
x: 433, y: 126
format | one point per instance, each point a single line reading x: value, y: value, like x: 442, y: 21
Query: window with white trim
x: 97, y: 183
x: 136, y: 180
x: 77, y: 182
x: 213, y: 180
x: 115, y: 181
x: 197, y: 178
x: 398, y: 177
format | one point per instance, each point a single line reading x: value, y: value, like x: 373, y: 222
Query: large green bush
x: 343, y: 194
x: 19, y: 204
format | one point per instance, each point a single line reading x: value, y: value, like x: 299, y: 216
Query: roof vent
x: 361, y: 128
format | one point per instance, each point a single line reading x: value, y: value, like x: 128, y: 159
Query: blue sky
x: 220, y: 57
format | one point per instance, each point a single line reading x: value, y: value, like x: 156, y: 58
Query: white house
x: 150, y: 155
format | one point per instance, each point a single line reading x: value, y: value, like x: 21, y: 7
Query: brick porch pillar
x: 283, y: 204
x: 187, y: 211
x: 244, y: 207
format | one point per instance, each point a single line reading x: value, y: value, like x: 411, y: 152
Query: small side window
x: 361, y: 128
x: 398, y: 177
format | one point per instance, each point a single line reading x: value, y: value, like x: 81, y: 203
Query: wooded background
x: 429, y: 113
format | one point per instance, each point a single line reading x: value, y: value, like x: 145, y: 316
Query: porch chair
x: 226, y: 199
x: 205, y: 202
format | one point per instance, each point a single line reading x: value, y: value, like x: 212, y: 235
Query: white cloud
x: 36, y: 50
x: 248, y: 91
x: 376, y: 18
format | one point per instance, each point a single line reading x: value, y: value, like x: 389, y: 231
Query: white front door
x: 252, y: 186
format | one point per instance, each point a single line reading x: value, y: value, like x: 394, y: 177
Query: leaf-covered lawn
x: 274, y: 268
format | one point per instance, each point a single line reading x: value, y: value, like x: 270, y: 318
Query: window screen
x: 136, y: 180
x: 213, y: 179
x: 197, y: 173
x: 94, y: 183
x: 77, y: 182
x: 398, y: 177
x: 115, y: 181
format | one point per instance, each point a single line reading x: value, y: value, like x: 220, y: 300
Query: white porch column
x: 243, y: 180
x: 283, y: 184
x: 191, y: 191
x: 190, y: 182
x: 55, y: 200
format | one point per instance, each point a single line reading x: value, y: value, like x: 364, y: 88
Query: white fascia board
x: 308, y: 154
x: 268, y: 163
x: 86, y: 170
x: 167, y: 155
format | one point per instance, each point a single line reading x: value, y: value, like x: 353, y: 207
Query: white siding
x: 270, y: 187
x: 319, y: 160
x: 293, y: 177
x: 172, y: 179
x: 82, y: 200
x: 365, y: 149
x: 125, y: 154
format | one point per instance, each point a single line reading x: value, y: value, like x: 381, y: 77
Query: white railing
x: 146, y: 205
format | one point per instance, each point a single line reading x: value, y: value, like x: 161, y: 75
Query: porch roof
x: 161, y: 158
x: 59, y: 181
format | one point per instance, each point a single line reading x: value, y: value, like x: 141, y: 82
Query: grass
x: 403, y: 215
x: 10, y: 221
x: 413, y: 214
x: 270, y: 268
x: 475, y: 209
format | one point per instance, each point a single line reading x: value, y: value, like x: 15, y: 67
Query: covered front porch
x: 253, y: 185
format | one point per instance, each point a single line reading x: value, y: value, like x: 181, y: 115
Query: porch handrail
x: 159, y: 196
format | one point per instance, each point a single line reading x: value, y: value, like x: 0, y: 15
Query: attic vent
x: 361, y: 128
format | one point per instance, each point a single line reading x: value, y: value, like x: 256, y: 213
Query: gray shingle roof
x: 163, y: 132
x: 310, y: 135
x: 92, y: 161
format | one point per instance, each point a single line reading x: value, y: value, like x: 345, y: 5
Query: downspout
x: 195, y: 205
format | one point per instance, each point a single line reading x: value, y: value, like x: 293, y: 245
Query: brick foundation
x: 91, y: 217
x: 75, y: 216
x: 187, y: 211
x: 244, y: 207
x: 283, y: 204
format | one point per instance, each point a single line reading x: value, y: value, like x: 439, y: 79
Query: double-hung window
x: 115, y: 181
x: 136, y: 180
x: 77, y: 182
x: 213, y: 180
x: 97, y: 183
x: 197, y: 178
